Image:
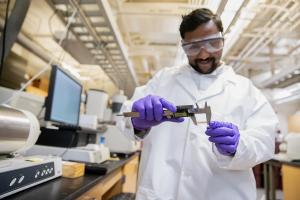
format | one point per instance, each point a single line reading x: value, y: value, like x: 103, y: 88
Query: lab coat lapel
x: 186, y: 81
x: 216, y: 88
x: 227, y: 77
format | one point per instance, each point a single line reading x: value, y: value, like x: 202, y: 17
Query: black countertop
x: 67, y: 188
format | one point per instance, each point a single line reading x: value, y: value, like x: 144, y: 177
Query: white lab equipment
x: 117, y: 142
x: 23, y: 100
x: 108, y: 115
x: 19, y: 130
x: 88, y: 121
x: 92, y: 153
x: 293, y: 146
x: 96, y: 103
x: 117, y: 102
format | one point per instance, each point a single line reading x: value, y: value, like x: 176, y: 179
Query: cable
x: 40, y: 112
x: 46, y: 66
x: 3, y: 37
x: 69, y: 146
x: 50, y: 21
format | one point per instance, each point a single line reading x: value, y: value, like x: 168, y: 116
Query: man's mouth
x: 205, y: 61
x: 205, y: 66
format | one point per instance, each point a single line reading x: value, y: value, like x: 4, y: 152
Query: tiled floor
x: 261, y: 194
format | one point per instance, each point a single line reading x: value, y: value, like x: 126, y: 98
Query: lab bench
x: 121, y: 177
x: 290, y: 178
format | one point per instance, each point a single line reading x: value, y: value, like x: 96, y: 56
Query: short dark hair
x: 198, y: 17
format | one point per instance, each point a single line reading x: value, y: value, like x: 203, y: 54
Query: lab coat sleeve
x: 257, y: 138
x: 125, y: 124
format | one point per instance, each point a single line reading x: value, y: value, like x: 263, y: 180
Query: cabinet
x: 123, y: 179
x: 291, y: 182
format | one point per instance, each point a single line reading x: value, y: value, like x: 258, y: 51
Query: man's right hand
x: 151, y: 109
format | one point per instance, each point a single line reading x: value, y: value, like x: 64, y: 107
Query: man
x: 183, y: 161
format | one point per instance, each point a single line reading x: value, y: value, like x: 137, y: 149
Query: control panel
x: 12, y: 180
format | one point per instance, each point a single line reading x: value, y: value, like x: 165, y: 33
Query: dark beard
x: 213, y: 67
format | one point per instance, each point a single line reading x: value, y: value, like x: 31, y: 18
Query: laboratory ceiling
x: 120, y: 44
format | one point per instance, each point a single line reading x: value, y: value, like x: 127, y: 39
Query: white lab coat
x: 179, y: 163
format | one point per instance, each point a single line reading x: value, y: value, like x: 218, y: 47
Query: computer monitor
x: 64, y: 96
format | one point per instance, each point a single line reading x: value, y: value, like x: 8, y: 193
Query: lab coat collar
x: 225, y: 75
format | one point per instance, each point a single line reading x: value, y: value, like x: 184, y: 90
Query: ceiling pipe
x: 31, y: 46
x: 34, y: 48
x: 237, y: 15
x: 277, y: 77
x: 221, y: 7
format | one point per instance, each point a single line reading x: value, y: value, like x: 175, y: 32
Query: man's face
x: 204, y: 62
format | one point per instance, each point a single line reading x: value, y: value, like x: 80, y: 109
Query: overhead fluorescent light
x: 287, y: 99
x: 287, y: 94
x: 247, y: 15
x: 85, y: 78
x: 280, y: 76
x: 229, y: 12
x: 213, y: 5
x: 71, y: 69
x: 296, y: 72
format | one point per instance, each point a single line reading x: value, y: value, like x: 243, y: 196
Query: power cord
x: 69, y: 146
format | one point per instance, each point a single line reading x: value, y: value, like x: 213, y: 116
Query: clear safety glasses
x: 211, y: 44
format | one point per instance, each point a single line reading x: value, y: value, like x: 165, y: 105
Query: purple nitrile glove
x: 225, y: 135
x: 151, y: 112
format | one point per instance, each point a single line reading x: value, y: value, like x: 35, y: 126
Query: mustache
x: 209, y: 59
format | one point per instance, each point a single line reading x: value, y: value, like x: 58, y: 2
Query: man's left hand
x: 225, y: 135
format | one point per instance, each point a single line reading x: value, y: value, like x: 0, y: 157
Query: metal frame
x: 271, y: 30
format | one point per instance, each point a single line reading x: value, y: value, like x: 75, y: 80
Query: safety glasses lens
x: 211, y: 45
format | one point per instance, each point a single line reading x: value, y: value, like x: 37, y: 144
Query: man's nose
x: 203, y: 54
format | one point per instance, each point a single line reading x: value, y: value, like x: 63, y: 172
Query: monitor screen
x: 64, y: 96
